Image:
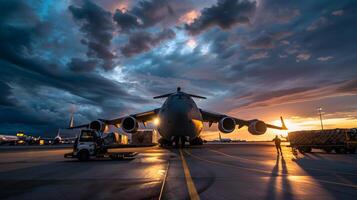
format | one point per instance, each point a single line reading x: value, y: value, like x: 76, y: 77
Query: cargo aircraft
x: 180, y: 120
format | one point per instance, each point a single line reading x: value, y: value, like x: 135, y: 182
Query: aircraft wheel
x: 308, y: 149
x: 304, y: 149
x: 328, y: 150
x: 352, y: 151
x: 196, y: 141
x: 83, y: 155
x: 340, y: 150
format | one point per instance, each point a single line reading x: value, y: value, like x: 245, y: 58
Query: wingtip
x: 283, y: 126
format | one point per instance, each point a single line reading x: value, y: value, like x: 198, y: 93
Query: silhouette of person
x: 277, y: 142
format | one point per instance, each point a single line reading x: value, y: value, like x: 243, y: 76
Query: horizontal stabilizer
x: 163, y: 96
x: 196, y: 96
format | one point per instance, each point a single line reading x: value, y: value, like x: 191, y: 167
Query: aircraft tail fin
x: 71, y: 121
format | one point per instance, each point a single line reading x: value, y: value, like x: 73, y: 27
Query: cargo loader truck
x: 92, y: 144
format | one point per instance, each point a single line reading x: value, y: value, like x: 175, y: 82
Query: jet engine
x: 129, y: 124
x: 226, y: 125
x: 97, y: 125
x: 257, y: 127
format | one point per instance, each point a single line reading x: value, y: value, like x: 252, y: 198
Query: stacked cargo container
x: 338, y: 140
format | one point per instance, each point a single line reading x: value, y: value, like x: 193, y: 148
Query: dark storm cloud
x: 9, y: 9
x: 225, y: 14
x: 266, y: 41
x: 96, y: 24
x: 125, y: 20
x: 300, y: 94
x: 148, y: 13
x: 36, y: 91
x: 5, y: 98
x: 143, y: 41
x: 152, y: 12
x: 80, y: 65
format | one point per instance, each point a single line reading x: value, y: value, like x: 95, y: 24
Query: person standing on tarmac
x: 277, y: 142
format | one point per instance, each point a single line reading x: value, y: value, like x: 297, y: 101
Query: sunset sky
x: 104, y: 59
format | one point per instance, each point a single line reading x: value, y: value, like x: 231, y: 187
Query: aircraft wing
x: 213, y: 117
x: 140, y: 117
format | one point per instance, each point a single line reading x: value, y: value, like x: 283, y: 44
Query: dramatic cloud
x: 189, y: 17
x: 259, y: 55
x: 325, y: 58
x: 96, y: 24
x: 316, y: 24
x: 125, y: 20
x: 79, y: 65
x: 303, y: 57
x: 148, y: 13
x: 337, y: 13
x: 224, y: 14
x: 143, y: 41
x: 6, y: 99
x: 152, y: 12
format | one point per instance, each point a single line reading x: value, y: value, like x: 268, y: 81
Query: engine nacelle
x: 129, y: 124
x: 98, y: 126
x: 226, y: 125
x: 257, y: 127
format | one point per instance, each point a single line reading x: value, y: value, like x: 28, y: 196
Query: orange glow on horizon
x: 293, y: 124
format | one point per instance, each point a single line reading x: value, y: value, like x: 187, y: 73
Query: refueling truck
x: 92, y: 144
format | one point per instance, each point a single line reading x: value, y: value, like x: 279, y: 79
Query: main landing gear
x: 180, y: 141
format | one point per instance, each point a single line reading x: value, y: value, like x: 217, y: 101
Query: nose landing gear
x: 196, y: 141
x: 179, y: 141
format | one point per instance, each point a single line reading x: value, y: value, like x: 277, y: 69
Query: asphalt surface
x: 211, y: 171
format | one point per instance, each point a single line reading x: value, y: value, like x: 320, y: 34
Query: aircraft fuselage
x: 180, y: 116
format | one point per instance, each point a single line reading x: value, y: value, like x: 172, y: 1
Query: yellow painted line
x: 189, y: 182
x: 268, y: 172
x: 164, y: 181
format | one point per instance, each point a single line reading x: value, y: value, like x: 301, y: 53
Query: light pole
x: 320, y: 113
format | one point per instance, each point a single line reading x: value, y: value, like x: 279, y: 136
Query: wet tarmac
x: 211, y: 171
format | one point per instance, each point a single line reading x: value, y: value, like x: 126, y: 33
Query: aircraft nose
x: 179, y: 114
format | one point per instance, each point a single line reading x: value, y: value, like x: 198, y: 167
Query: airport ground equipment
x: 337, y: 140
x: 92, y: 144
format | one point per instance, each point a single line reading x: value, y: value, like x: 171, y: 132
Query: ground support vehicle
x: 90, y: 144
x: 337, y: 140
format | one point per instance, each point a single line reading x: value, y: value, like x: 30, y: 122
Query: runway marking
x: 258, y: 161
x: 164, y: 180
x: 270, y: 173
x: 189, y: 182
x: 235, y: 166
x: 237, y: 157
